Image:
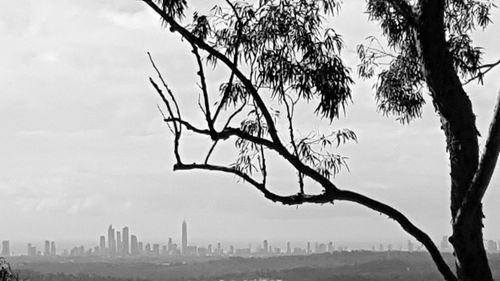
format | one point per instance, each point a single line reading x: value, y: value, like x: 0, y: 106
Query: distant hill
x: 352, y: 266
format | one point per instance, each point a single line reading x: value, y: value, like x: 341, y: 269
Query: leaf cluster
x: 400, y: 76
x: 286, y: 47
x: 314, y: 151
x: 173, y: 8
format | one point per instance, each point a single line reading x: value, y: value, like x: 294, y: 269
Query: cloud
x: 141, y: 19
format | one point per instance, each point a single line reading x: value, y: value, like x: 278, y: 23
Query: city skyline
x: 100, y: 152
x: 115, y: 247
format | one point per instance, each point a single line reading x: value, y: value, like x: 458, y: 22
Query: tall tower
x: 134, y: 247
x: 46, y: 251
x: 169, y: 246
x: 125, y: 242
x: 119, y: 246
x: 111, y: 240
x: 53, y: 248
x: 102, y: 245
x: 184, y: 238
x: 265, y: 246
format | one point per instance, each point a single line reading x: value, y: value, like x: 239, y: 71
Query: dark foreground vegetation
x: 340, y: 266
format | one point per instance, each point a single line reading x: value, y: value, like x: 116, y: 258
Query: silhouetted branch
x: 297, y: 199
x: 330, y: 197
x: 481, y: 72
x: 289, y: 113
x: 405, y: 223
x: 176, y: 105
x: 177, y: 129
x: 164, y: 117
x: 225, y: 127
x: 201, y: 74
x: 262, y: 162
x: 485, y: 170
x: 235, y: 59
x: 176, y: 27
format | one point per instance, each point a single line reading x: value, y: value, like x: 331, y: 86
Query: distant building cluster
x: 48, y: 251
x: 124, y: 244
x: 118, y: 245
x: 491, y: 246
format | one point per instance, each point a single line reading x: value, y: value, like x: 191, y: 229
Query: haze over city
x: 122, y: 243
x: 84, y: 145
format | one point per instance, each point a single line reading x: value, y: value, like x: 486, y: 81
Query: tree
x: 279, y: 54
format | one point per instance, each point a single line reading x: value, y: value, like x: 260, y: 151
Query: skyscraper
x: 265, y: 247
x: 169, y: 246
x: 134, y: 247
x: 6, y: 248
x: 119, y: 246
x: 140, y: 247
x: 53, y: 248
x: 156, y: 249
x: 330, y: 247
x: 31, y: 250
x: 184, y: 237
x: 102, y: 245
x: 219, y: 249
x: 111, y: 241
x: 46, y: 251
x: 125, y: 241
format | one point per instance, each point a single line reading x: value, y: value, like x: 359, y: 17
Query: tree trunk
x: 458, y: 124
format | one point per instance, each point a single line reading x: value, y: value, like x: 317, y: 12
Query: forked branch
x: 188, y: 36
x: 485, y: 170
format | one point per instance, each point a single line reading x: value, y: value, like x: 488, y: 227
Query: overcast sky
x: 83, y: 145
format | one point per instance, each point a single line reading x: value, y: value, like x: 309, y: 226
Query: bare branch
x: 165, y: 101
x: 176, y: 27
x: 177, y: 129
x: 289, y: 113
x: 225, y: 127
x: 342, y: 195
x: 297, y: 199
x: 201, y: 74
x: 165, y: 85
x: 405, y: 223
x: 481, y: 72
x: 164, y: 117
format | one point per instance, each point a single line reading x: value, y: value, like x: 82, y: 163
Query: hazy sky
x: 83, y: 144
